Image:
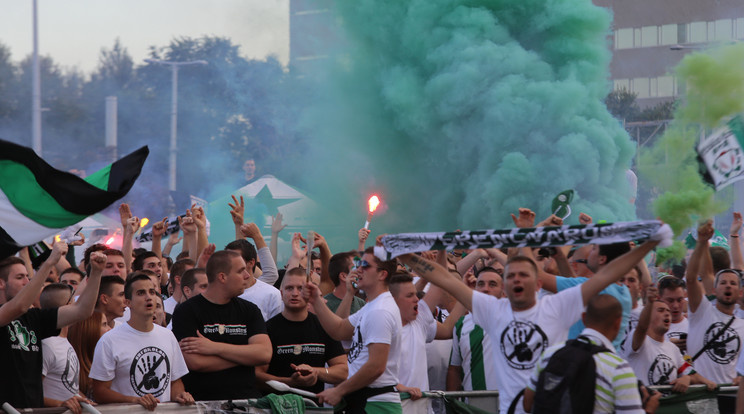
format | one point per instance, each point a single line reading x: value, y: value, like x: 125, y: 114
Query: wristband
x: 733, y: 235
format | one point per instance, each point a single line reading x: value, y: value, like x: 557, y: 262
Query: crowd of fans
x: 134, y: 326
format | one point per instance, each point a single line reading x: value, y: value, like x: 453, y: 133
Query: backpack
x: 567, y: 384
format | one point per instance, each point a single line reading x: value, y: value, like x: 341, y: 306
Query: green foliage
x: 228, y: 110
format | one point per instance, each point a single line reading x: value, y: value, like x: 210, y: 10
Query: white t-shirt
x: 677, y: 329
x: 415, y: 335
x: 655, y: 363
x: 473, y: 342
x: 635, y: 315
x: 378, y: 322
x: 717, y: 363
x: 61, y: 368
x: 266, y: 297
x: 519, y: 338
x: 139, y: 363
x: 169, y: 305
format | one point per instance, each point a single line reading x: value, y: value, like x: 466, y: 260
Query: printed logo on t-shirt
x: 70, y: 374
x: 726, y: 347
x: 522, y: 343
x: 660, y: 370
x: 21, y: 338
x: 675, y: 335
x: 356, y: 345
x: 150, y: 372
x: 221, y: 329
x: 297, y: 349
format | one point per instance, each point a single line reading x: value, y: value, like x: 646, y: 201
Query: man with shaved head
x: 615, y: 389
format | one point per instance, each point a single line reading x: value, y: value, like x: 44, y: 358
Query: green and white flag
x: 37, y: 200
x: 721, y: 154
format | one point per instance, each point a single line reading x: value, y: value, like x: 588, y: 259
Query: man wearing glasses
x: 578, y: 261
x: 375, y: 333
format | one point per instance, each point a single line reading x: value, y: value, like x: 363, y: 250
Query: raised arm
x: 338, y: 328
x: 326, y: 285
x: 363, y: 235
x: 439, y: 276
x: 276, y: 228
x: 83, y: 307
x: 129, y: 225
x: 26, y: 297
x: 237, y: 212
x: 189, y: 236
x: 344, y: 308
x: 613, y: 271
x: 268, y: 267
x: 200, y: 219
x: 694, y: 287
x: 298, y: 252
x: 158, y: 230
x: 737, y: 261
x: 173, y: 240
x: 652, y: 294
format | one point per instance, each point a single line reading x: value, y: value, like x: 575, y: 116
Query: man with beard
x: 715, y: 334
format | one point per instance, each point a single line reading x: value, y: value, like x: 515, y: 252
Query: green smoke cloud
x: 715, y: 91
x: 460, y: 112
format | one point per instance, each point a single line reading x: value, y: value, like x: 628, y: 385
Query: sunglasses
x: 365, y: 264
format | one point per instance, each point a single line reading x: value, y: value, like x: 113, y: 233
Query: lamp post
x: 174, y: 113
x: 35, y: 87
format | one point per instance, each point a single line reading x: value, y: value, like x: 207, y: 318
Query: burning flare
x: 373, y: 203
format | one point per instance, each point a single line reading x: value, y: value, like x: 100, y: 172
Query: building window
x: 682, y: 33
x: 698, y: 32
x: 624, y: 39
x: 649, y: 36
x: 641, y: 87
x: 724, y: 29
x: 621, y: 84
x: 668, y: 34
x: 665, y: 86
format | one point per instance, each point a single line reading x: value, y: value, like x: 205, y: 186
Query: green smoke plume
x: 459, y: 112
x: 715, y: 91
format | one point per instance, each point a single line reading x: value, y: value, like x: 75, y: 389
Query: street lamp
x: 174, y: 113
x: 35, y: 87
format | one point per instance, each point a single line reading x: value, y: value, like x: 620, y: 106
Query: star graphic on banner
x: 272, y: 204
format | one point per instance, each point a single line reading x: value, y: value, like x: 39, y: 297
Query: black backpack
x: 567, y: 384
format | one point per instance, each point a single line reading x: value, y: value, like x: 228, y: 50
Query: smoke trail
x: 715, y: 90
x: 460, y: 112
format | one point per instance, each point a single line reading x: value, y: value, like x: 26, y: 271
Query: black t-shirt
x: 233, y: 323
x: 20, y: 357
x: 300, y: 343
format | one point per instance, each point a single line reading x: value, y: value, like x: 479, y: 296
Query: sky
x: 73, y: 32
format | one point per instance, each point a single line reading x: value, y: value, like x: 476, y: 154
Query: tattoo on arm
x: 420, y: 265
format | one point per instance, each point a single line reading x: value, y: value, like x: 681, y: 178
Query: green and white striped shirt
x: 471, y: 350
x: 616, y: 388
